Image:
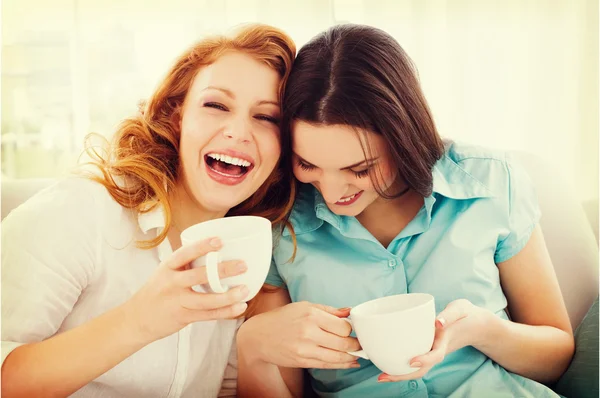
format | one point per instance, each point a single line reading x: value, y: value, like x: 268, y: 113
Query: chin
x: 351, y: 211
x: 223, y: 205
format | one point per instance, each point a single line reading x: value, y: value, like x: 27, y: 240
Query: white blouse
x: 69, y: 255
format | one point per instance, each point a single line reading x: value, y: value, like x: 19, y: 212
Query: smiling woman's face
x: 331, y: 158
x: 230, y: 139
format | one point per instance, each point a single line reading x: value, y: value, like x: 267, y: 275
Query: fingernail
x: 239, y: 307
x: 383, y: 378
x: 416, y: 365
x: 242, y: 292
x: 440, y: 322
x: 215, y: 242
x: 355, y: 365
x: 344, y: 309
x: 241, y: 266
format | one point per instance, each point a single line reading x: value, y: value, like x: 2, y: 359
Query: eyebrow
x: 231, y: 95
x: 343, y: 168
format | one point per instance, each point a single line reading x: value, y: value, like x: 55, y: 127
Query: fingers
x: 198, y: 276
x: 325, y: 356
x: 384, y: 377
x: 455, y: 311
x: 192, y: 300
x: 189, y: 253
x: 229, y: 312
x: 316, y: 364
x: 328, y: 322
x: 422, y: 363
x: 339, y: 312
x: 433, y: 357
x: 335, y: 342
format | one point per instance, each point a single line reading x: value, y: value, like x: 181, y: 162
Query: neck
x: 185, y: 211
x: 386, y: 218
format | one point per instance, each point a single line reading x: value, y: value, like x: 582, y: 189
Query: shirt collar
x: 449, y: 180
x: 452, y: 181
x: 152, y: 218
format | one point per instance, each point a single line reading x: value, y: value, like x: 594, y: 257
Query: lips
x: 228, y: 167
x: 348, y: 200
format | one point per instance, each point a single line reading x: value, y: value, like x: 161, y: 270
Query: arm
x: 275, y: 345
x: 539, y: 343
x: 259, y: 378
x: 66, y: 362
x: 42, y: 284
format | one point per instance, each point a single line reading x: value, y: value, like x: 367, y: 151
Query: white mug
x: 246, y: 238
x: 393, y: 330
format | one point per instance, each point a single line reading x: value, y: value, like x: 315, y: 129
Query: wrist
x: 487, y: 330
x: 248, y: 345
x: 131, y: 330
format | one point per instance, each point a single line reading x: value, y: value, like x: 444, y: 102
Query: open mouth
x: 228, y: 166
x: 349, y: 199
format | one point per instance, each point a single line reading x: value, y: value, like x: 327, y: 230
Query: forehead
x: 240, y: 73
x: 334, y: 146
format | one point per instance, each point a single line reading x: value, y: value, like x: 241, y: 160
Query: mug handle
x: 212, y: 272
x: 361, y: 353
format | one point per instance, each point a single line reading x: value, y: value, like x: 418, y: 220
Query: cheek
x: 303, y: 175
x: 364, y: 184
x: 386, y: 176
x: 270, y: 149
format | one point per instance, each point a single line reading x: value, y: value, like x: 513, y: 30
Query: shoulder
x: 492, y: 168
x: 303, y: 217
x: 70, y: 205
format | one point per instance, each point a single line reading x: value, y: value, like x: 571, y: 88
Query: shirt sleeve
x: 273, y: 277
x: 523, y: 212
x: 48, y: 252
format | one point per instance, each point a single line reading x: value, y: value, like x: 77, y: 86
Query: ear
x: 176, y: 117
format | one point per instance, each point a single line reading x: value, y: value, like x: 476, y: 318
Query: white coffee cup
x: 393, y: 330
x: 246, y: 238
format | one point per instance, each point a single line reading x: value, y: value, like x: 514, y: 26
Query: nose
x: 239, y: 129
x: 332, y: 187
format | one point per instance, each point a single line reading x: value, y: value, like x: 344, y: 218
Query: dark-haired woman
x: 386, y: 207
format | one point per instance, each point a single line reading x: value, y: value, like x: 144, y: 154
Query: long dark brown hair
x: 359, y: 76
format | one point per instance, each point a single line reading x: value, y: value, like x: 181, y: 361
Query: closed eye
x: 305, y: 166
x: 216, y: 105
x: 360, y: 174
x: 267, y: 118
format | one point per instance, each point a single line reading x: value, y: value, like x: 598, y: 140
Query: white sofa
x: 567, y: 229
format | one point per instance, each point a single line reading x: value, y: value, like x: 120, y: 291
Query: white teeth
x: 229, y: 159
x: 347, y: 199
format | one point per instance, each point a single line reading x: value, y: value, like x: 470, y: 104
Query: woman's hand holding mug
x: 167, y: 303
x: 300, y: 335
x: 455, y: 327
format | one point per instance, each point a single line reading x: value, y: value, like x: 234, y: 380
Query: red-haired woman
x: 96, y: 294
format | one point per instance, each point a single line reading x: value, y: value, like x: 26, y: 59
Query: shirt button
x: 413, y: 385
x: 392, y: 263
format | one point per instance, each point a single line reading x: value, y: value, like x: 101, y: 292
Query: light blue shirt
x: 482, y: 212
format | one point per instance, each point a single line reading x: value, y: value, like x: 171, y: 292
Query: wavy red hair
x: 141, y: 164
x: 144, y: 151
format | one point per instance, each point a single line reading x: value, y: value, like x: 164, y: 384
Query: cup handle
x: 212, y: 272
x: 361, y: 353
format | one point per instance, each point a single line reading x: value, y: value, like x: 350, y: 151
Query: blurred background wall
x: 509, y: 74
